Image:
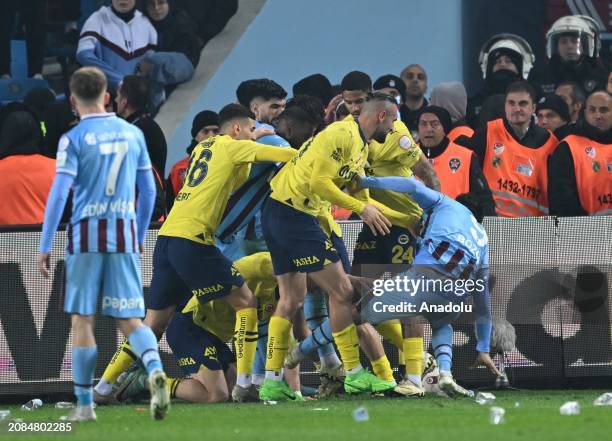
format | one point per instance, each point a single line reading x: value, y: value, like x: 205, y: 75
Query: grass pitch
x: 530, y: 415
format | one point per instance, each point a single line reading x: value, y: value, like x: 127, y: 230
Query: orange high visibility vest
x: 460, y: 131
x: 516, y: 174
x: 177, y: 174
x: 453, y: 169
x: 593, y: 167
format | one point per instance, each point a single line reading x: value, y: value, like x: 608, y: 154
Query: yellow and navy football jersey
x: 217, y: 167
x: 218, y: 317
x: 338, y: 153
x: 395, y: 157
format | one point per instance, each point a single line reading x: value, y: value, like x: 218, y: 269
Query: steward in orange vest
x: 456, y: 166
x: 513, y: 153
x: 580, y: 169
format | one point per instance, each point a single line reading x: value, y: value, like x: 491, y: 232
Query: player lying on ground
x: 299, y: 247
x: 103, y: 159
x: 453, y: 248
x: 186, y: 261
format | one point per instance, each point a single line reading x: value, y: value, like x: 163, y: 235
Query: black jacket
x: 588, y: 74
x: 178, y: 33
x: 563, y: 199
x: 479, y: 188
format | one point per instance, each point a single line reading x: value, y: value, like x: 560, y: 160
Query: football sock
x: 442, y: 343
x: 83, y: 366
x: 348, y: 346
x: 172, y: 385
x: 321, y: 336
x: 413, y: 354
x: 382, y: 368
x: 123, y: 358
x: 392, y: 331
x: 279, y: 331
x: 144, y: 345
x: 245, y: 340
x: 315, y: 311
x: 330, y: 360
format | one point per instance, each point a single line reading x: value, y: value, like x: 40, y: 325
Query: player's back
x: 104, y: 154
x: 342, y: 143
x: 217, y: 167
x: 452, y: 234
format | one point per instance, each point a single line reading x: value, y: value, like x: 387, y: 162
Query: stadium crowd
x: 535, y: 141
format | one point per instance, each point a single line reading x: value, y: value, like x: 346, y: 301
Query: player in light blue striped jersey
x: 451, y: 265
x: 103, y: 159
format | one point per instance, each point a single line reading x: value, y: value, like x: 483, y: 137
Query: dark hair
x: 472, y: 204
x: 312, y: 106
x: 136, y: 90
x: 88, y: 83
x: 234, y: 111
x: 356, y: 80
x: 296, y: 115
x: 20, y: 134
x: 522, y: 86
x: 578, y: 95
x: 262, y: 88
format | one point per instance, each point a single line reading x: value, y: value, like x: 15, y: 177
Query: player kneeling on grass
x: 451, y: 264
x: 103, y: 159
x: 199, y: 337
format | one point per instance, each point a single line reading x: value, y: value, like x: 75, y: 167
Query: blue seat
x: 17, y: 88
x: 19, y: 59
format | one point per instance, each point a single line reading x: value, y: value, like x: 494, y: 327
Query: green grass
x: 536, y: 418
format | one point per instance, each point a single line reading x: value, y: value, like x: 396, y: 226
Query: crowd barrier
x: 551, y: 278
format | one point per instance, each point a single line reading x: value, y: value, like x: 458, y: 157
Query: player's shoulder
x: 341, y: 131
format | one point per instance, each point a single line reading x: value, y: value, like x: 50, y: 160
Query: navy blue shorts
x: 194, y: 347
x: 340, y: 247
x: 183, y: 268
x: 399, y: 246
x: 295, y: 240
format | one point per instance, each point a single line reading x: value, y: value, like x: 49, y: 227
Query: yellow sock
x: 121, y: 361
x: 245, y: 335
x: 172, y: 385
x: 413, y: 353
x: 348, y: 346
x: 382, y: 368
x: 392, y: 330
x: 401, y: 358
x: 279, y: 331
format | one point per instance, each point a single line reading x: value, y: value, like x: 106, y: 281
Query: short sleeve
x: 67, y: 157
x: 243, y: 152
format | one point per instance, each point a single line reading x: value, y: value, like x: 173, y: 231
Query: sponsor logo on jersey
x: 186, y: 361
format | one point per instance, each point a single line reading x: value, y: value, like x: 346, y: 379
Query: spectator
x: 31, y: 16
x: 457, y: 167
x: 115, y: 39
x: 574, y: 97
x: 177, y: 53
x: 25, y: 175
x: 392, y: 85
x: 580, y: 169
x: 38, y: 99
x: 504, y: 59
x: 355, y: 86
x: 132, y: 99
x: 210, y: 16
x: 572, y: 47
x: 415, y: 78
x: 311, y: 105
x: 205, y: 125
x: 58, y: 119
x: 316, y: 85
x: 453, y: 97
x: 512, y: 152
x: 609, y: 84
x: 553, y: 114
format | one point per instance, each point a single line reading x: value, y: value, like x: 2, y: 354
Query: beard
x: 379, y: 136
